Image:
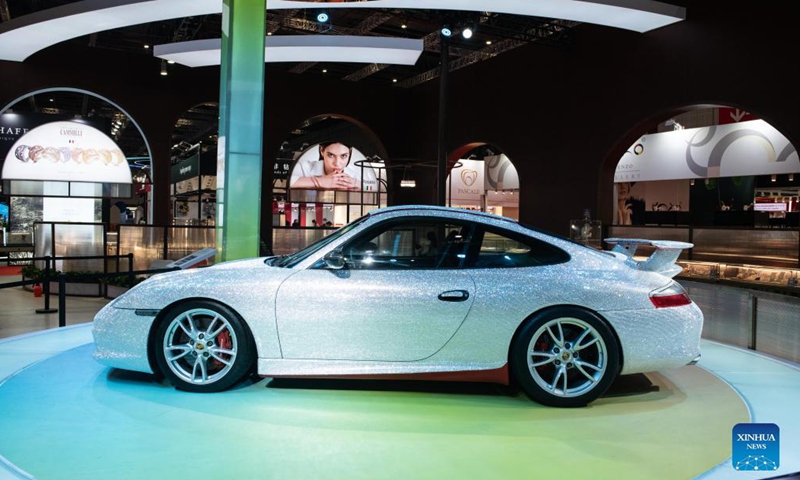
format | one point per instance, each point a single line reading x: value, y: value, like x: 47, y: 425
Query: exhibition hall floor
x: 64, y: 416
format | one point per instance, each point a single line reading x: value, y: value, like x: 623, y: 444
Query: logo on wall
x: 756, y: 447
x: 469, y: 177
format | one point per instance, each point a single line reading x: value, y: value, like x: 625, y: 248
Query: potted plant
x: 116, y: 286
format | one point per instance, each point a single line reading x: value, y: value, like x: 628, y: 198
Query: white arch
x: 22, y: 37
x: 118, y: 107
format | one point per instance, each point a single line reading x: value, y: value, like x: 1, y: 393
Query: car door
x: 400, y: 297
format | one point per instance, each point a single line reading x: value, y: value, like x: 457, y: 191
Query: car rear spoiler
x: 661, y: 261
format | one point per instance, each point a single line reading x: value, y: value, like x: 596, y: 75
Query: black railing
x: 48, y: 275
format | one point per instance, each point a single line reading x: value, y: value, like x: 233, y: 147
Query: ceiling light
x: 774, y: 178
x: 394, y: 80
x: 446, y: 32
x: 488, y: 42
x: 467, y: 33
x: 407, y: 181
x: 322, y: 17
x: 404, y: 26
x: 146, y: 46
x: 269, y: 34
x: 324, y: 70
x: 163, y: 68
x: 52, y: 100
x: 791, y: 177
x: 171, y: 62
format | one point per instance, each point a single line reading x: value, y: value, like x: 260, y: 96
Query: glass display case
x: 749, y: 275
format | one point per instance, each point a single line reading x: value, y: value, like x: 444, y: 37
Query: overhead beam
x: 532, y: 35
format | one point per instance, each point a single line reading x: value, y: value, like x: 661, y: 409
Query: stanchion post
x: 46, y: 288
x: 130, y: 267
x: 62, y: 301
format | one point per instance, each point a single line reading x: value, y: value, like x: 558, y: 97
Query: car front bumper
x: 120, y: 338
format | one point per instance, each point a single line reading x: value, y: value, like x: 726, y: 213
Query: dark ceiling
x: 494, y: 35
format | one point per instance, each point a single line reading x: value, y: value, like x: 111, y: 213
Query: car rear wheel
x: 203, y: 346
x: 565, y: 357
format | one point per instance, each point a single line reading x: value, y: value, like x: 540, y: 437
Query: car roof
x: 437, y: 209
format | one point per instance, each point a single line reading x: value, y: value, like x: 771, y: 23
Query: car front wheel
x: 565, y: 357
x: 203, y: 346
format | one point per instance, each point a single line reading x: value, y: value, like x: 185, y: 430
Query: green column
x: 241, y: 118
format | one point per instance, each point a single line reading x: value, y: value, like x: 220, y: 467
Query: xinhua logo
x: 756, y: 447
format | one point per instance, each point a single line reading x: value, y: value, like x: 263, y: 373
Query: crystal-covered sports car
x: 415, y: 292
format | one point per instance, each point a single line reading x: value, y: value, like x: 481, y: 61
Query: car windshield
x: 289, y: 261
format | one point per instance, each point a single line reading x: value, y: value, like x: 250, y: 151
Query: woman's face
x: 335, y: 158
x: 624, y: 190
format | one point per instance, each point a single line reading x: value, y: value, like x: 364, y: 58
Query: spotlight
x: 488, y: 42
x: 774, y: 178
x: 446, y: 32
x: 171, y: 62
x: 467, y: 33
x: 791, y: 177
x: 146, y: 46
x: 163, y: 68
x: 322, y: 17
x: 324, y: 70
x: 394, y: 80
x: 404, y: 26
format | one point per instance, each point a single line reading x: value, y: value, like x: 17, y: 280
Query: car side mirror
x: 334, y: 260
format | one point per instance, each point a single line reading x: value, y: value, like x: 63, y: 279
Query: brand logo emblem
x: 469, y: 177
x: 756, y: 447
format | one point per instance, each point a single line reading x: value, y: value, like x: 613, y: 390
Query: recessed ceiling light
x: 269, y: 34
x: 488, y: 42
x: 404, y: 26
x: 324, y: 70
x: 146, y: 46
x: 171, y: 62
x: 394, y: 80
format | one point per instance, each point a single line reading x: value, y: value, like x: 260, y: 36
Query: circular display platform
x: 70, y: 417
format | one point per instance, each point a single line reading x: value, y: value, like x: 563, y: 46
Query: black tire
x: 212, y: 348
x: 544, y: 357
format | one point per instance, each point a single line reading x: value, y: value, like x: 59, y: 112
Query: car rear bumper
x: 656, y: 339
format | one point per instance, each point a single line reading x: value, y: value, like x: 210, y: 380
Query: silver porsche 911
x: 415, y: 292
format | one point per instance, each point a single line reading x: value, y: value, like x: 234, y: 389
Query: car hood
x: 222, y: 282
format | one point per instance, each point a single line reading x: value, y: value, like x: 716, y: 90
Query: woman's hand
x: 335, y: 181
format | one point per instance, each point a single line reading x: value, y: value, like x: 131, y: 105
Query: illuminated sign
x: 66, y: 152
x: 770, y: 207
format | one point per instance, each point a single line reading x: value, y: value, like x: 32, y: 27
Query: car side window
x: 500, y: 249
x: 425, y: 243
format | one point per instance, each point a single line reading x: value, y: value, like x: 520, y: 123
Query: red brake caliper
x: 223, y: 341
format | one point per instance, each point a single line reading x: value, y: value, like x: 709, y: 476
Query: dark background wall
x: 564, y: 117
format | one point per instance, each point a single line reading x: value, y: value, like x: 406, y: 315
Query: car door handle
x: 454, y: 296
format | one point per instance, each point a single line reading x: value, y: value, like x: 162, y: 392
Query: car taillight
x: 673, y: 295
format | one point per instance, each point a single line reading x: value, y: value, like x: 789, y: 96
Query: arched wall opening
x: 718, y: 176
x: 329, y: 170
x: 483, y: 179
x: 82, y: 106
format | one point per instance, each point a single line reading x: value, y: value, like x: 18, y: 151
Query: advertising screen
x: 332, y: 166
